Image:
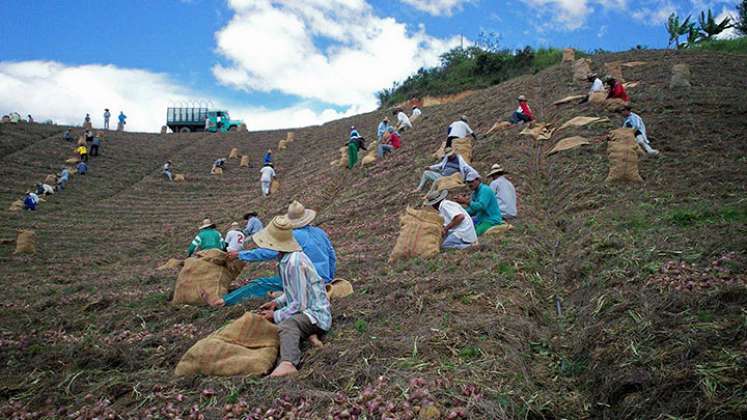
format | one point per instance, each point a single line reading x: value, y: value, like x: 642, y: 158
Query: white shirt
x: 465, y: 230
x: 505, y: 193
x: 34, y: 198
x: 597, y: 86
x: 416, y: 113
x: 47, y: 189
x: 403, y: 120
x: 267, y: 174
x: 459, y: 129
x: 235, y: 240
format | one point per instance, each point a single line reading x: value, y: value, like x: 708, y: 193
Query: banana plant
x: 709, y: 28
x: 677, y: 29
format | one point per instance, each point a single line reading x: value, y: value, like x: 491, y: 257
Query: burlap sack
x: 275, y: 185
x: 282, y: 144
x: 498, y: 126
x: 614, y: 105
x: 164, y: 129
x: 419, y: 235
x: 371, y: 155
x: 680, y: 76
x: 290, y: 137
x: 582, y: 121
x: 339, y: 288
x: 439, y: 154
x: 244, y: 161
x: 568, y: 144
x: 538, y: 132
x: 72, y: 161
x: 216, y: 171
x: 343, y: 161
x: 16, y: 206
x: 498, y: 230
x: 581, y: 69
x: 209, y: 270
x: 634, y: 63
x: 234, y: 153
x: 569, y: 55
x: 179, y: 178
x: 623, y: 152
x: 171, y: 264
x: 246, y: 346
x: 614, y: 70
x: 451, y: 182
x: 463, y: 147
x: 567, y: 99
x: 598, y: 98
x: 243, y: 128
x: 25, y: 242
x: 50, y: 179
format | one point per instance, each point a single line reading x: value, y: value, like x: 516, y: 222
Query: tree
x: 741, y: 23
x: 677, y: 29
x: 709, y: 28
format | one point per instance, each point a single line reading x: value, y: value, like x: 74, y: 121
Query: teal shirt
x: 206, y: 239
x: 484, y: 205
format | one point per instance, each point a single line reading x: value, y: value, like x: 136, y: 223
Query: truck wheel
x: 185, y: 130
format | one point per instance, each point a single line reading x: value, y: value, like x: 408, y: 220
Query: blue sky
x: 276, y: 63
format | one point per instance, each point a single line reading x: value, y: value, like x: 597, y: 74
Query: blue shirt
x: 253, y: 225
x: 484, y: 206
x: 82, y: 168
x: 383, y: 127
x: 315, y: 244
x: 303, y: 292
x: 354, y: 134
x: 268, y: 158
x: 64, y: 175
x: 122, y: 118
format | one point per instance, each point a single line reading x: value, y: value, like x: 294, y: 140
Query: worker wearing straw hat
x: 504, y: 191
x: 303, y: 310
x: 523, y: 113
x: 207, y: 238
x: 459, y: 230
x: 315, y: 244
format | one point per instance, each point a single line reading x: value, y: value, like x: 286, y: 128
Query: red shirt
x: 526, y: 110
x: 394, y: 140
x: 618, y: 91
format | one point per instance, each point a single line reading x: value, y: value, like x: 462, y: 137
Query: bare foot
x: 284, y: 369
x: 215, y: 303
x: 315, y: 341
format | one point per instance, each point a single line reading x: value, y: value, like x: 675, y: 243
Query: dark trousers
x: 94, y: 150
x: 450, y: 139
x: 292, y: 331
x: 518, y: 116
x: 84, y: 157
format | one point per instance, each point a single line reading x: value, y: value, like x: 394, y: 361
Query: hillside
x: 567, y: 316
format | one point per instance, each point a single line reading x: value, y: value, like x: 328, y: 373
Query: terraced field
x: 574, y: 313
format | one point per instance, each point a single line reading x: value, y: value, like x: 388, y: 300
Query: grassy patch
x: 734, y: 46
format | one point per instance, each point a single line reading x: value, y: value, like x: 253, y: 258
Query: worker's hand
x: 461, y: 199
x: 232, y: 255
x: 268, y: 315
x: 271, y: 305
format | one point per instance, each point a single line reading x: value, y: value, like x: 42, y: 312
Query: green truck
x: 189, y: 120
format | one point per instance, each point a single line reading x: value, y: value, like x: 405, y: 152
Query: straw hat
x: 277, y: 236
x: 207, y: 223
x: 234, y: 225
x: 521, y: 98
x: 496, y: 170
x: 434, y: 197
x: 299, y: 216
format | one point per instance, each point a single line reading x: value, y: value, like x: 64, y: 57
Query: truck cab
x: 220, y: 121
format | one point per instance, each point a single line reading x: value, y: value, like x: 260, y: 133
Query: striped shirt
x: 303, y: 291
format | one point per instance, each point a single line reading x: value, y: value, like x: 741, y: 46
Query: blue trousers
x: 257, y: 288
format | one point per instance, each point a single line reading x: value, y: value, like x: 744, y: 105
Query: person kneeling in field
x: 459, y: 230
x: 303, y: 310
x: 44, y: 189
x: 207, y: 238
x: 483, y: 205
x: 634, y: 121
x: 449, y: 165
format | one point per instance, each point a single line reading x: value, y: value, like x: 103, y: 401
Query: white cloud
x: 334, y: 51
x: 571, y: 14
x: 656, y: 13
x: 730, y: 33
x: 64, y: 94
x: 436, y: 7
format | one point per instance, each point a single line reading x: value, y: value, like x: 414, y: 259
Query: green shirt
x: 206, y: 239
x: 484, y: 206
